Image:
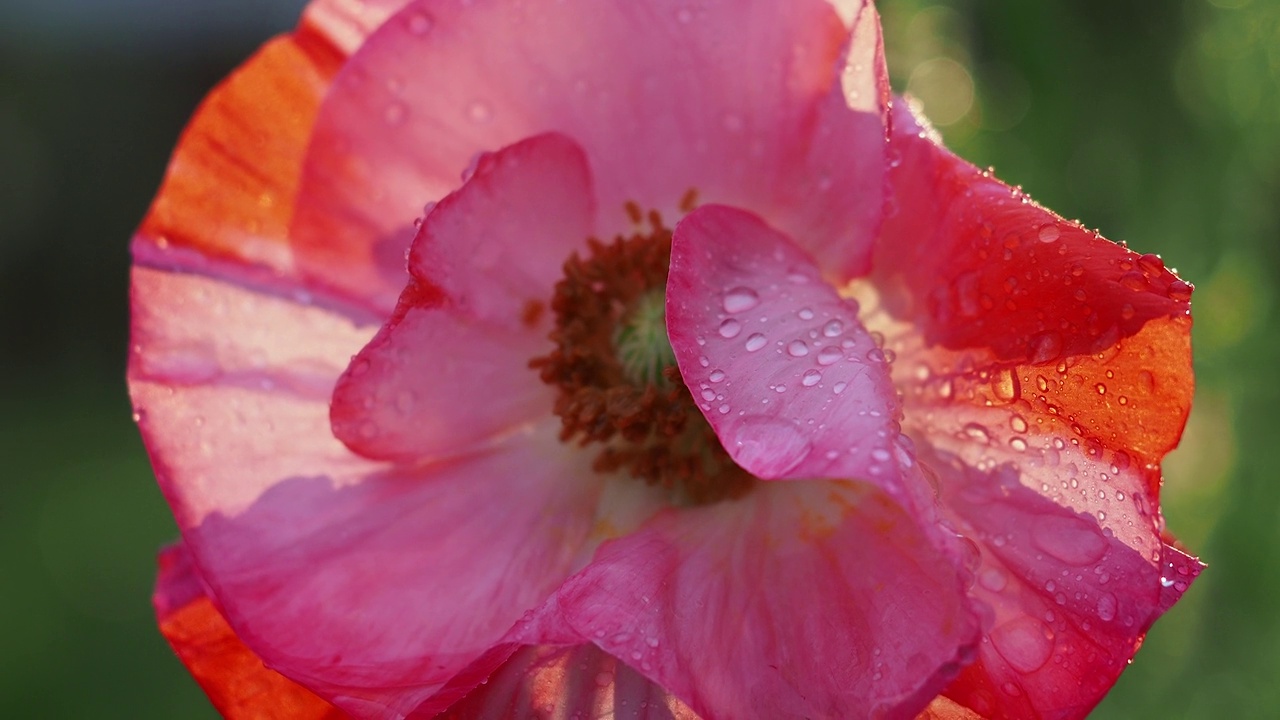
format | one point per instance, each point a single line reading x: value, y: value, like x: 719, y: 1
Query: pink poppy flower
x: 838, y: 426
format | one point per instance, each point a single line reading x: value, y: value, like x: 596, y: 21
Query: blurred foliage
x: 1158, y: 123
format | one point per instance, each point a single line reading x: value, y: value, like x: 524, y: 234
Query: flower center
x: 616, y: 373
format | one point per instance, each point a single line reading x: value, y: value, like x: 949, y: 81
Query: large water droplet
x: 420, y: 23
x: 829, y: 355
x: 797, y: 348
x: 1049, y: 233
x: 1107, y: 605
x: 833, y: 328
x: 480, y: 113
x: 1025, y: 642
x: 767, y: 446
x: 740, y: 299
x: 730, y: 328
x: 1072, y: 540
x: 716, y: 376
x: 811, y: 378
x: 755, y: 342
x: 805, y: 314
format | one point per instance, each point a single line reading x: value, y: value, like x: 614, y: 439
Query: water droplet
x: 1005, y: 385
x: 730, y: 328
x: 740, y: 299
x: 797, y: 348
x: 876, y: 355
x: 833, y: 328
x: 1025, y: 642
x: 767, y: 446
x: 1151, y: 264
x: 992, y: 579
x: 805, y: 314
x: 1180, y: 291
x: 1069, y: 539
x: 977, y: 431
x: 1018, y: 444
x: 395, y: 113
x: 1102, y: 389
x: 1049, y: 233
x: 716, y: 376
x: 480, y: 112
x: 880, y: 455
x: 420, y: 23
x: 755, y: 342
x: 1107, y: 605
x: 829, y: 355
x: 839, y: 387
x: 708, y: 394
x: 1134, y: 280
x: 723, y: 409
x: 1018, y: 423
x: 811, y: 378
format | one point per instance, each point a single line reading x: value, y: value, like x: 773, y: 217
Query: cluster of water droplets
x: 804, y: 348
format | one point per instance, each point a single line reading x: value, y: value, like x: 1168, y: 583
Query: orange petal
x: 231, y: 183
x: 234, y: 678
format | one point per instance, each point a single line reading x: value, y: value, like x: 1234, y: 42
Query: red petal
x: 976, y: 264
x: 236, y: 681
x: 450, y: 370
x: 804, y: 599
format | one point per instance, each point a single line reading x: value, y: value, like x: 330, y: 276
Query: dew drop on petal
x: 830, y: 355
x: 992, y: 579
x: 839, y: 387
x: 811, y: 378
x: 805, y: 314
x: 767, y: 446
x: 797, y: 348
x: 1025, y: 642
x: 1049, y: 233
x: 740, y: 299
x: 755, y: 342
x: 480, y: 113
x: 1069, y: 539
x: 833, y: 328
x: 1107, y: 607
x: 730, y: 328
x: 716, y: 376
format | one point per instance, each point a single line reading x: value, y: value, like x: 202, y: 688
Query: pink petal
x: 577, y: 681
x: 804, y: 599
x: 450, y: 370
x: 664, y: 98
x: 978, y: 265
x: 340, y: 573
x: 791, y: 382
x: 1069, y: 601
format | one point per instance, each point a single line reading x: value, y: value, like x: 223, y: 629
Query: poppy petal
x: 791, y: 382
x: 975, y: 264
x: 782, y: 127
x: 578, y: 681
x: 450, y: 370
x: 817, y: 599
x: 236, y: 681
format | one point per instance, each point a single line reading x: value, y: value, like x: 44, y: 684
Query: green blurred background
x: 1157, y: 122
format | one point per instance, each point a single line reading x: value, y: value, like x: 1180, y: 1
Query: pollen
x: 618, y: 385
